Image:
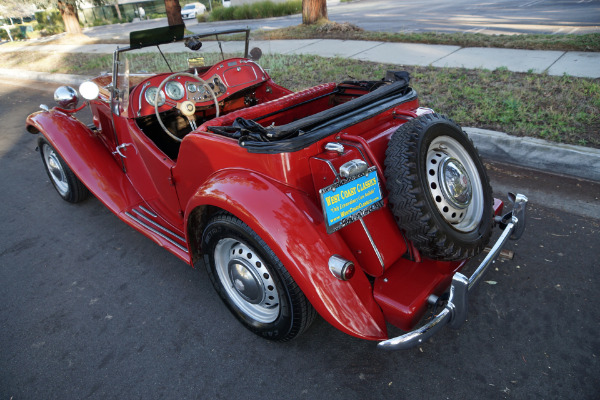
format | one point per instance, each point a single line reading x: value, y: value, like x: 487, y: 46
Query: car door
x: 149, y: 171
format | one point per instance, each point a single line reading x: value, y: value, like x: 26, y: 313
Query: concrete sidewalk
x: 579, y: 64
x: 571, y: 160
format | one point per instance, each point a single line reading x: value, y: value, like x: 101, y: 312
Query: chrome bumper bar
x: 455, y: 311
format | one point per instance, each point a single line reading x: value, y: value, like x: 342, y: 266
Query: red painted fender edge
x: 292, y: 226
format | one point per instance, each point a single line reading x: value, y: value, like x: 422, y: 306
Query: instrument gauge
x: 191, y: 87
x: 174, y: 90
x: 150, y: 95
x: 202, y: 92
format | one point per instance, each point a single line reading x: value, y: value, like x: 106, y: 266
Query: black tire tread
x: 407, y: 196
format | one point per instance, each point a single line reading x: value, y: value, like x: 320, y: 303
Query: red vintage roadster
x: 345, y: 199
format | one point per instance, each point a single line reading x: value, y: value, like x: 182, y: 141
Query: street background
x: 489, y: 17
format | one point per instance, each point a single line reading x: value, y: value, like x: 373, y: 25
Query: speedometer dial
x: 174, y: 90
x: 150, y: 95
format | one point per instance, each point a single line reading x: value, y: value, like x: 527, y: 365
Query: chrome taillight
x: 341, y: 268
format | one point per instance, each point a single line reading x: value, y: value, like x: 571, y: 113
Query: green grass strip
x: 562, y: 109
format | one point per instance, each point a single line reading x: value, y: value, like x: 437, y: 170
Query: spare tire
x: 439, y: 191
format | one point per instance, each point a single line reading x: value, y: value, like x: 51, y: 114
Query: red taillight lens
x: 348, y: 271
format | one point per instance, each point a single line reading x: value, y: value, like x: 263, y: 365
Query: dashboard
x: 224, y: 79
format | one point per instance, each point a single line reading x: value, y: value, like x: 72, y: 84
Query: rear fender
x: 292, y: 226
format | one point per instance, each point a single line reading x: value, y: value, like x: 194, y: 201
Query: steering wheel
x: 187, y: 108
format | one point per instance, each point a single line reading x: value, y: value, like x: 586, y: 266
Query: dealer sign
x: 350, y: 199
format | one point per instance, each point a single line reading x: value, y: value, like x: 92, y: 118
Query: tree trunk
x: 313, y: 10
x: 68, y: 12
x: 118, y: 10
x: 173, y: 12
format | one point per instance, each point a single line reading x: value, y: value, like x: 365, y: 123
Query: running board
x: 157, y: 229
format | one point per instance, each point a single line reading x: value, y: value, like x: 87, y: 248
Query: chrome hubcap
x: 57, y: 173
x: 246, y: 280
x: 454, y: 183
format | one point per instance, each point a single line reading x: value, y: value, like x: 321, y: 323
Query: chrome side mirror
x: 66, y: 97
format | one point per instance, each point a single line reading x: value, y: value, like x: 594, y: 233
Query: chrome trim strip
x: 373, y: 244
x: 158, y: 225
x: 150, y: 213
x: 455, y: 312
x: 337, y: 175
x: 168, y: 239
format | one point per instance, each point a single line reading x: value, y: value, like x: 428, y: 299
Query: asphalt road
x: 489, y: 17
x: 89, y: 308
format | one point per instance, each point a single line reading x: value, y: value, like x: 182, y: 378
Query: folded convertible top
x: 275, y: 139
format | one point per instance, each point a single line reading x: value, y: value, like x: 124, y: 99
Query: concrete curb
x: 577, y: 161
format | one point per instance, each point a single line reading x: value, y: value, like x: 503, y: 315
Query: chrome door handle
x: 120, y: 147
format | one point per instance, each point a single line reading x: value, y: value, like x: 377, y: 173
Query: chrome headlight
x: 89, y: 90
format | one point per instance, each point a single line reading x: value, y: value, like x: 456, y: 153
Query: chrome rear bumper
x: 455, y: 311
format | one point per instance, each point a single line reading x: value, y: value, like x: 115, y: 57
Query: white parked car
x: 192, y: 9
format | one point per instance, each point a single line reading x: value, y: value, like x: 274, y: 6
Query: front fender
x: 87, y: 157
x: 293, y: 227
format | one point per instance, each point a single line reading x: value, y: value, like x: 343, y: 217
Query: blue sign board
x: 346, y: 201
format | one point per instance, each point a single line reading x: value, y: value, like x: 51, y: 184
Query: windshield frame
x: 116, y: 105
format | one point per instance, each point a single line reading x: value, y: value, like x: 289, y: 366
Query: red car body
x: 168, y: 195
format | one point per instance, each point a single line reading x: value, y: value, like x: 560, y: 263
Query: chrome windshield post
x: 114, y: 91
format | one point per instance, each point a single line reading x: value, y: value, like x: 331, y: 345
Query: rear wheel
x: 68, y: 186
x: 438, y: 187
x: 252, y: 282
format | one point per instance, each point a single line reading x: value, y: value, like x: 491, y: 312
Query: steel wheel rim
x: 246, y: 280
x: 56, y: 170
x: 463, y: 216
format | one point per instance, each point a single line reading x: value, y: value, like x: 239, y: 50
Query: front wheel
x: 68, y: 186
x: 438, y: 188
x: 252, y: 282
